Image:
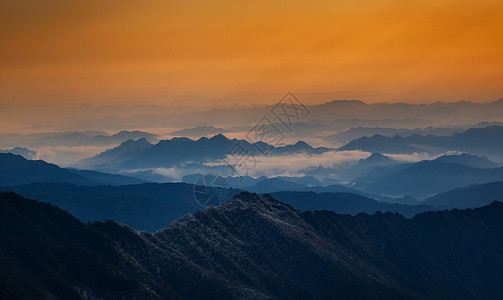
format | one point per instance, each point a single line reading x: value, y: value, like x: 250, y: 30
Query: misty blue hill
x: 74, y: 138
x: 114, y: 157
x: 263, y: 184
x: 144, y: 207
x: 199, y: 131
x: 346, y: 203
x: 468, y: 197
x: 253, y: 247
x: 230, y: 181
x: 24, y: 152
x: 324, y: 174
x: 339, y: 188
x: 275, y: 184
x: 167, y: 153
x: 247, y: 182
x: 16, y: 170
x: 486, y: 141
x: 366, y: 165
x: 124, y: 135
x: 152, y: 206
x: 435, y: 112
x: 304, y: 180
x: 359, y: 132
x: 474, y: 161
x: 299, y: 147
x: 426, y: 178
x: 107, y: 178
x: 150, y: 175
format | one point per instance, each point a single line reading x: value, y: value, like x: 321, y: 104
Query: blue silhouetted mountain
x: 426, y: 178
x: 469, y: 160
x: 114, y: 157
x: 468, y: 197
x: 263, y: 184
x: 299, y: 147
x: 153, y: 206
x: 249, y: 183
x: 167, y: 153
x: 363, y: 166
x: 24, y: 152
x: 481, y: 141
x: 148, y: 206
x: 151, y: 175
x: 100, y: 178
x: 253, y: 247
x: 275, y: 184
x: 346, y: 203
x: 15, y: 170
x: 230, y: 181
x: 359, y: 132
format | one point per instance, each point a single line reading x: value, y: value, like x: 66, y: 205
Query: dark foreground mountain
x: 46, y: 253
x: 253, y: 247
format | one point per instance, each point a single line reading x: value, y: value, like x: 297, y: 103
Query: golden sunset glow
x: 414, y: 51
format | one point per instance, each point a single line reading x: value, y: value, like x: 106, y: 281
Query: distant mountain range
x: 248, y: 182
x: 486, y: 141
x: 476, y: 195
x: 73, y: 139
x: 144, y: 207
x: 264, y: 184
x: 429, y: 177
x: 359, y: 132
x: 199, y: 131
x: 253, y: 247
x: 141, y: 154
x: 397, y: 115
x: 24, y: 152
x: 15, y: 170
x: 346, y: 203
x: 153, y: 206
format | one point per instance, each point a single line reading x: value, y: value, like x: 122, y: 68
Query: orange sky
x: 87, y: 51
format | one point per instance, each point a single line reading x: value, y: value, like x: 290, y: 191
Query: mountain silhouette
x: 253, y: 247
x: 486, y: 141
x: 24, y: 152
x: 476, y: 195
x: 426, y: 178
x: 168, y: 153
x: 16, y: 170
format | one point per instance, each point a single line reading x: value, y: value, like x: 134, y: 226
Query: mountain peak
x: 219, y: 137
x: 376, y: 156
x: 140, y: 141
x: 302, y: 144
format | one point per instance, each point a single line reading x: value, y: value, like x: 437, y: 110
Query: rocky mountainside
x: 254, y: 247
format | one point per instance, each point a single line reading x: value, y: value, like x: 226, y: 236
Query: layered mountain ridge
x: 256, y: 247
